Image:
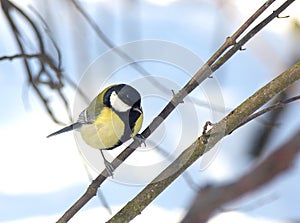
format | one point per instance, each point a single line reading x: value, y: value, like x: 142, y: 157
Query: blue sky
x: 42, y: 177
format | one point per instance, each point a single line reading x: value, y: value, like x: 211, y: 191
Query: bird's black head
x: 122, y: 98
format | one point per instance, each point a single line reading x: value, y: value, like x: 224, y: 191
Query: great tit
x: 111, y: 119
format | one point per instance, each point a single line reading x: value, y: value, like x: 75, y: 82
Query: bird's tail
x: 75, y: 125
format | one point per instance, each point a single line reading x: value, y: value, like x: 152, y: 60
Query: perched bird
x: 111, y: 119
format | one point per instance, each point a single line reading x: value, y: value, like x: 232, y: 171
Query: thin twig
x: 21, y: 55
x: 278, y: 105
x: 41, y: 56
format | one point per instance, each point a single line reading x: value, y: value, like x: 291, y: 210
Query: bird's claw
x: 140, y: 138
x: 109, y: 168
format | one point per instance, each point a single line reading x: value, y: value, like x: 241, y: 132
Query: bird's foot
x: 109, y: 168
x: 140, y: 138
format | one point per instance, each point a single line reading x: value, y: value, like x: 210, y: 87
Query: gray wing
x: 89, y: 115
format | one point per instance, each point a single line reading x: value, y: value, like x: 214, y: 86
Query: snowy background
x: 41, y: 178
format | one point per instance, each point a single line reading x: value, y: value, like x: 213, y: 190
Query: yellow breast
x: 137, y: 126
x: 105, y: 132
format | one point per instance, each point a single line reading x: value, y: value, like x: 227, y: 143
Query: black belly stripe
x: 129, y: 119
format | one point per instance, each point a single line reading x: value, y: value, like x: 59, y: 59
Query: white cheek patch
x: 118, y: 104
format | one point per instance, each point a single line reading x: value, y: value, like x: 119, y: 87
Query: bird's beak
x: 138, y: 110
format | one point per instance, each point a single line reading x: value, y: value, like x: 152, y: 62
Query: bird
x: 113, y: 117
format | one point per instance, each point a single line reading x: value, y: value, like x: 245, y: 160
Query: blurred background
x: 41, y: 178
